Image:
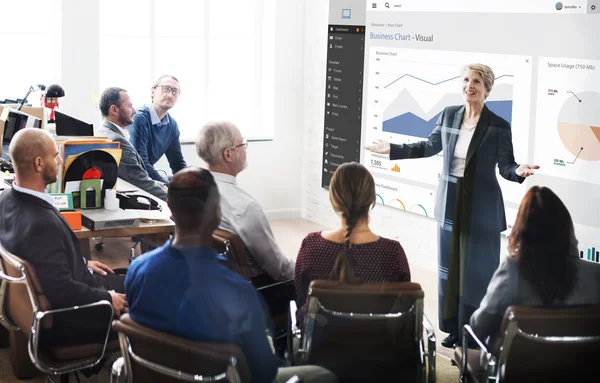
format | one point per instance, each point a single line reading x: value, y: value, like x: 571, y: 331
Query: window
x: 30, y: 47
x: 221, y: 52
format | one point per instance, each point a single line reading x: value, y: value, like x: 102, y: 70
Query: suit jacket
x: 131, y: 167
x: 508, y: 287
x: 35, y: 231
x: 491, y: 145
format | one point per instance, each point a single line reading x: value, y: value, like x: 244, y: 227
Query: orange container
x: 73, y: 218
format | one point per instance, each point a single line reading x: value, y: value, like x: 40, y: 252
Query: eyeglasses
x: 244, y: 144
x: 167, y: 89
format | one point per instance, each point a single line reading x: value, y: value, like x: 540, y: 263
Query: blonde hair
x: 484, y: 71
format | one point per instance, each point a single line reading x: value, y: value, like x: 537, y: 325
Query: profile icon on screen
x: 559, y: 6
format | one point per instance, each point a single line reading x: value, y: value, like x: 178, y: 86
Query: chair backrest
x: 231, y: 247
x: 549, y: 344
x: 168, y: 352
x: 368, y: 331
x: 23, y: 295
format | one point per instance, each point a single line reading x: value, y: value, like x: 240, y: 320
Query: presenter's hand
x: 526, y: 170
x: 99, y: 268
x: 118, y: 302
x: 380, y: 147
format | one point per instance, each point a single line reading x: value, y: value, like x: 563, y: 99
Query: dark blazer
x: 131, y: 167
x: 35, y: 231
x: 491, y: 145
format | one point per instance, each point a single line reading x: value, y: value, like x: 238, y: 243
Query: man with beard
x: 32, y: 228
x: 221, y: 146
x: 118, y: 111
x: 154, y: 131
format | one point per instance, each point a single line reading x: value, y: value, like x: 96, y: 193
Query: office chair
x: 366, y: 332
x: 26, y: 312
x: 541, y: 344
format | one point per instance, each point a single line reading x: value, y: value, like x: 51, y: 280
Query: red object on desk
x: 73, y: 218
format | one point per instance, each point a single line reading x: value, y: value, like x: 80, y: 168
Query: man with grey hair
x: 222, y: 147
x: 118, y: 111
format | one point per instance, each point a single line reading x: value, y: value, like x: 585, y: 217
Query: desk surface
x: 152, y: 222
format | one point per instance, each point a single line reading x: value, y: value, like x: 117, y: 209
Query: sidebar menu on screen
x: 343, y: 97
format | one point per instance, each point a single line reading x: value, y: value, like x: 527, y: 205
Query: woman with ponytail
x: 352, y: 253
x: 543, y: 269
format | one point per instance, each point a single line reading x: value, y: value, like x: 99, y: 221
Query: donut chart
x: 579, y: 125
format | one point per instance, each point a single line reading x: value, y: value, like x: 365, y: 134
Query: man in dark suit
x: 32, y: 228
x: 118, y: 111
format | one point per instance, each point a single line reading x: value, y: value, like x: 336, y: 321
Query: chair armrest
x: 293, y: 333
x: 294, y: 320
x: 35, y: 338
x: 275, y: 284
x: 430, y: 354
x: 468, y: 332
x: 117, y: 369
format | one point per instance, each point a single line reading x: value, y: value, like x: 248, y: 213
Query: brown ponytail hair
x: 352, y: 194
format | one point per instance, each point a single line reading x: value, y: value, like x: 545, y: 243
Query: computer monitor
x: 67, y: 125
x: 16, y: 121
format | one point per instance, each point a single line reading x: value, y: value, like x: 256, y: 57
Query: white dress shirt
x: 242, y: 215
x: 457, y: 168
x: 123, y: 130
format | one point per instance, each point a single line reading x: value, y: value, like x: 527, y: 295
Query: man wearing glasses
x: 222, y: 147
x: 154, y: 131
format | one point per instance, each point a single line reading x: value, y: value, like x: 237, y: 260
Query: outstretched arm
x: 426, y: 148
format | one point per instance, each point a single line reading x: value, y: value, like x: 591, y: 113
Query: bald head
x: 193, y: 198
x: 31, y: 151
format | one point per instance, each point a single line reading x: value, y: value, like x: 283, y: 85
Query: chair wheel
x: 99, y: 246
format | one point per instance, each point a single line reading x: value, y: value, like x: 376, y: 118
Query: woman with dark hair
x: 352, y: 253
x: 543, y: 269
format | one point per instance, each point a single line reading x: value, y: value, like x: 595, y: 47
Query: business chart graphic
x: 408, y: 90
x: 568, y: 119
x: 409, y: 198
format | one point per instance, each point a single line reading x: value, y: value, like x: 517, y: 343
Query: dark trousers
x: 453, y: 242
x: 83, y: 326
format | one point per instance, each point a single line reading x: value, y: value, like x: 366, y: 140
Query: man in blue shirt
x: 182, y: 288
x: 154, y: 131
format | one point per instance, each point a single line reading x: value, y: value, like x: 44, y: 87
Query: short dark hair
x: 110, y: 96
x: 193, y: 197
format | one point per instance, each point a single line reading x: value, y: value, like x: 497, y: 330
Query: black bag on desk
x: 132, y: 201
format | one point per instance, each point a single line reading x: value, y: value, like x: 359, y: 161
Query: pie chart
x: 579, y: 125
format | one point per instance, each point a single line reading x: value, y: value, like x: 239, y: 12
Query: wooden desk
x: 156, y: 231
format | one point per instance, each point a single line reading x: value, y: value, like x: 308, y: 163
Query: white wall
x: 274, y: 167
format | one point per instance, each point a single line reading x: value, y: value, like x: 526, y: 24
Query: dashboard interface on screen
x: 392, y: 67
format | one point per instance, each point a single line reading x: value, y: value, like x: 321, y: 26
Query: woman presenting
x: 469, y: 203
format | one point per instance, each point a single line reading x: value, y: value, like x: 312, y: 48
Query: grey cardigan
x: 508, y: 287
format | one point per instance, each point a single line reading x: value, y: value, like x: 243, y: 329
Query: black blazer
x: 35, y: 231
x: 491, y: 146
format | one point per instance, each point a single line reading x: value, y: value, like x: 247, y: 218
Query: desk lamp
x: 50, y: 99
x: 31, y: 89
